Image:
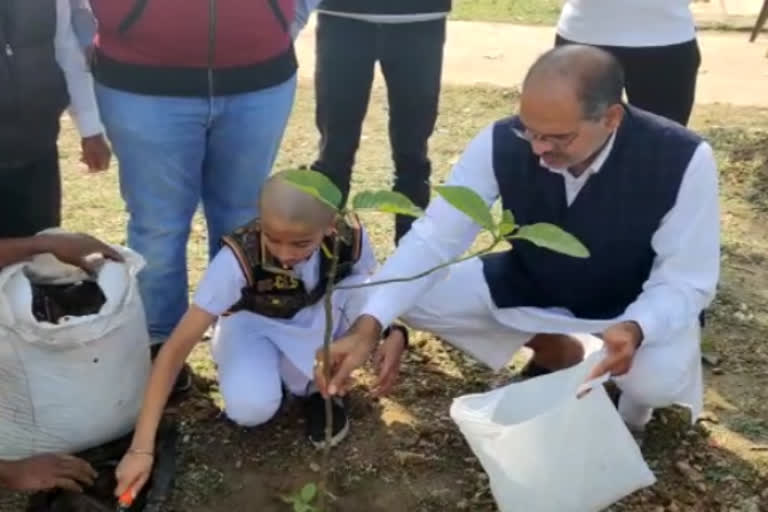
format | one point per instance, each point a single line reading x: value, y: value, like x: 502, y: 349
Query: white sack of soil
x: 78, y: 382
x: 546, y: 450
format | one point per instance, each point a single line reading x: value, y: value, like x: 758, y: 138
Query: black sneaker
x: 183, y: 380
x: 314, y: 412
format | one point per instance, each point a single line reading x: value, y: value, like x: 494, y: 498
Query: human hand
x: 133, y: 472
x: 387, y: 362
x: 346, y: 355
x: 621, y: 342
x: 45, y: 472
x: 96, y: 153
x: 77, y: 249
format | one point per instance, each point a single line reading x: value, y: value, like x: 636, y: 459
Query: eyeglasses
x: 560, y: 140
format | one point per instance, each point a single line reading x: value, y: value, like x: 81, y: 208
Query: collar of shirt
x: 309, y: 270
x: 574, y: 184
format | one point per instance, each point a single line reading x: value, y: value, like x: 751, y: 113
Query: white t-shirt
x: 632, y: 23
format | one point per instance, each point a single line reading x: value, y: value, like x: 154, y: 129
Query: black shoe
x: 183, y: 379
x: 314, y: 412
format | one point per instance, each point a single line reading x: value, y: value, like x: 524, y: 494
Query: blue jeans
x: 175, y: 153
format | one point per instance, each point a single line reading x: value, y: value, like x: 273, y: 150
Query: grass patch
x: 524, y: 12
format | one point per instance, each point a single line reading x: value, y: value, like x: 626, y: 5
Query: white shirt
x: 574, y: 184
x: 223, y: 281
x: 71, y: 59
x: 687, y: 244
x: 632, y: 23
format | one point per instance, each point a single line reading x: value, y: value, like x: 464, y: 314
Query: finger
x: 384, y: 386
x: 389, y: 381
x: 341, y: 377
x: 385, y: 370
x: 381, y: 371
x: 67, y: 484
x: 124, y: 483
x: 601, y: 368
x: 378, y: 359
x: 621, y: 368
x: 319, y: 370
x: 112, y: 253
x: 140, y: 483
x: 100, y: 165
x: 78, y: 468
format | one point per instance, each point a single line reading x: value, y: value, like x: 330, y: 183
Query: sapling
x: 467, y: 201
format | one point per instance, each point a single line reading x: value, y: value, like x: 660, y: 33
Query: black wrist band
x: 403, y: 330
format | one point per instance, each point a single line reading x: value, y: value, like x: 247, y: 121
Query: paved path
x: 733, y: 70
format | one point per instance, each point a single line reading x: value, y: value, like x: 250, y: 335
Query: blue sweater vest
x: 615, y: 216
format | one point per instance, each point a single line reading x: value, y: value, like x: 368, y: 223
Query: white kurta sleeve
x: 442, y: 234
x: 71, y: 59
x: 687, y: 264
x: 222, y: 284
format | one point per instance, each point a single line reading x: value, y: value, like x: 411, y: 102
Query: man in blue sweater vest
x: 638, y: 190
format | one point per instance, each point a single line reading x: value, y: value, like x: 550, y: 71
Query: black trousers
x: 659, y: 79
x: 411, y: 59
x: 30, y: 196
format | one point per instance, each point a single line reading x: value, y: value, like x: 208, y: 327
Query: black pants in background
x: 411, y: 59
x: 659, y: 79
x: 30, y: 196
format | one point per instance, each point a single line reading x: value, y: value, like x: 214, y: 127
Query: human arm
x: 45, y: 472
x: 135, y: 467
x: 685, y: 271
x: 217, y: 291
x: 73, y: 249
x: 83, y: 107
x: 84, y: 24
x: 441, y: 235
x: 304, y: 10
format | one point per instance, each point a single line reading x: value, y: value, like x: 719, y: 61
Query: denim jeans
x: 176, y: 153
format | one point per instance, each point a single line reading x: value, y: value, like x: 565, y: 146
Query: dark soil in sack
x: 104, y: 459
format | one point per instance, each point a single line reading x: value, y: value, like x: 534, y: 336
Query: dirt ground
x: 404, y: 453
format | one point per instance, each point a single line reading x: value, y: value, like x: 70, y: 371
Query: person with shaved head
x: 638, y: 190
x: 265, y: 286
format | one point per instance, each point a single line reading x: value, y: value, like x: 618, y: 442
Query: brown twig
x: 327, y: 340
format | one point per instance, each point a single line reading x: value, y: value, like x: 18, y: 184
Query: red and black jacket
x: 193, y: 48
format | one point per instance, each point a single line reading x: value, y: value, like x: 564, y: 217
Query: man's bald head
x: 592, y: 75
x: 282, y: 201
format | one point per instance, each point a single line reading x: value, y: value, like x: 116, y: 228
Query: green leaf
x: 553, y: 238
x: 507, y: 224
x: 386, y: 201
x: 315, y: 184
x: 309, y: 492
x: 300, y: 507
x: 469, y: 203
x: 288, y: 499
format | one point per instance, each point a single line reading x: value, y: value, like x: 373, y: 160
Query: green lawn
x: 528, y: 12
